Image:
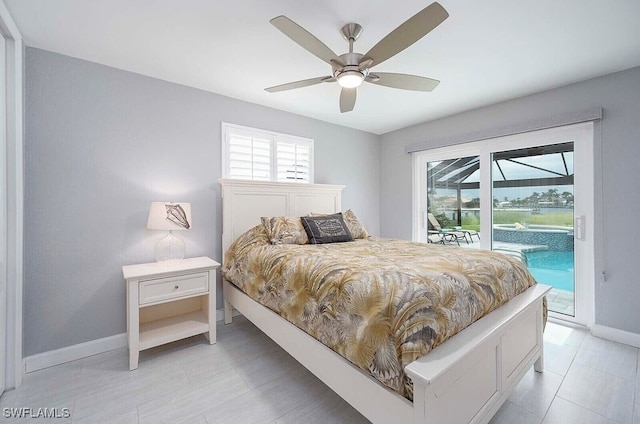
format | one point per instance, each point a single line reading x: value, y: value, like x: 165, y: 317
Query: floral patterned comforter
x: 380, y: 303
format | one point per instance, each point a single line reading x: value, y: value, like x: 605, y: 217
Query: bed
x: 464, y: 378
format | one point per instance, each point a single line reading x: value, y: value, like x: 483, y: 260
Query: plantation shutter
x: 249, y: 157
x: 253, y: 154
x: 293, y: 162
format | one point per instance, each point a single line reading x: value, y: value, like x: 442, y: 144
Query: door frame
x: 582, y: 135
x: 3, y: 214
x: 14, y: 189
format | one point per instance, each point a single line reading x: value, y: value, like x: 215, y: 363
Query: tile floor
x: 247, y: 378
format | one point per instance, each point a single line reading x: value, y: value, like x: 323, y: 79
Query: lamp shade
x: 169, y: 216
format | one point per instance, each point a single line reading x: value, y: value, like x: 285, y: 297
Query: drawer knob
x: 176, y: 287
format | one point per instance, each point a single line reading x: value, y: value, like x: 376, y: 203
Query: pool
x: 552, y: 268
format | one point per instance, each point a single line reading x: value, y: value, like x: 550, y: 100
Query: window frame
x: 275, y: 138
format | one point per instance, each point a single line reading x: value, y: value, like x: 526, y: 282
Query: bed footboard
x: 468, y: 378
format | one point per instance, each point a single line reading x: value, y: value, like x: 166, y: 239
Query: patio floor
x: 561, y: 301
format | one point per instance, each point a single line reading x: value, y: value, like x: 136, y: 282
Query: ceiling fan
x: 351, y: 69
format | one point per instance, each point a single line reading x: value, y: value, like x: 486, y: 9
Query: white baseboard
x: 71, y: 353
x: 83, y: 350
x: 615, y: 335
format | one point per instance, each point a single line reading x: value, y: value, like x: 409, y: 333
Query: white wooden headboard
x: 244, y: 202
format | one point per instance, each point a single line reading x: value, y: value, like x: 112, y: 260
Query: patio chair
x: 471, y: 233
x: 447, y: 235
x: 436, y: 225
x: 442, y: 237
x: 434, y: 238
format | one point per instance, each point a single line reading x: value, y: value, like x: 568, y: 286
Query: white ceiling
x: 486, y: 51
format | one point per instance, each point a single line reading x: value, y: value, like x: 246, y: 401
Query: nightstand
x: 168, y: 301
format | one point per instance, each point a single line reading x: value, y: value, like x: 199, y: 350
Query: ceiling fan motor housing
x: 351, y: 61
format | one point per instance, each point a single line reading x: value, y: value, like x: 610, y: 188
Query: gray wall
x: 101, y: 144
x: 617, y: 156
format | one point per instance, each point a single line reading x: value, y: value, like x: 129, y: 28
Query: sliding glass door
x: 533, y: 198
x: 527, y: 195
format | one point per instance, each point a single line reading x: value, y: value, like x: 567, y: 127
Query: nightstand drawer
x: 152, y: 291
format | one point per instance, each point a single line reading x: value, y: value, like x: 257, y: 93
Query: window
x: 254, y: 154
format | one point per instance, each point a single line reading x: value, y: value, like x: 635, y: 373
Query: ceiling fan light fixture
x: 350, y: 79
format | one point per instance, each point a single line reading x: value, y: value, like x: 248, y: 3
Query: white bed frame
x: 464, y: 380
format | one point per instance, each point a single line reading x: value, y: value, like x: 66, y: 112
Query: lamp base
x: 170, y: 247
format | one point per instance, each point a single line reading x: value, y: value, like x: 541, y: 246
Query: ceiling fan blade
x: 365, y: 63
x: 297, y: 84
x: 305, y: 39
x: 408, y: 33
x: 403, y: 81
x: 347, y: 99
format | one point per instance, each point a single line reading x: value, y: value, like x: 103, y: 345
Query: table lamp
x: 169, y: 216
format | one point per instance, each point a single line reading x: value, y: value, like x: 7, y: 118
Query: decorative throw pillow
x: 354, y: 225
x: 326, y: 229
x: 284, y: 230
